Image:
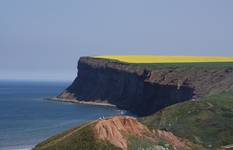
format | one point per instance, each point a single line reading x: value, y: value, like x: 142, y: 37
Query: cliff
x: 144, y: 90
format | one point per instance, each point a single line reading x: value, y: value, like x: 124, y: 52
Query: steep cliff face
x: 140, y: 90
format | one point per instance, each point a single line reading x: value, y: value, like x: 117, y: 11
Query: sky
x: 43, y: 39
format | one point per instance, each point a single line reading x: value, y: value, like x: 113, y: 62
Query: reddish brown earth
x: 116, y: 130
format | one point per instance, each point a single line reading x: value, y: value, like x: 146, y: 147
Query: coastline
x: 79, y: 102
x: 21, y: 147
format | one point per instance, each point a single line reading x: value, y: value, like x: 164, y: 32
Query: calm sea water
x: 26, y: 118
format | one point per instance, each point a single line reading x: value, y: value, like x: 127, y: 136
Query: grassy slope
x: 74, y: 139
x: 138, y: 143
x: 208, y: 122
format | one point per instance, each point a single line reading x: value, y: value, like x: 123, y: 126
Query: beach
x: 80, y: 102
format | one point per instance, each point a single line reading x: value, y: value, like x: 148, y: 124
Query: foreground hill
x: 115, y: 133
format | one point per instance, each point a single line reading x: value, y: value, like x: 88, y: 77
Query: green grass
x: 205, y: 65
x: 81, y: 138
x: 139, y: 143
x: 142, y: 143
x: 208, y: 122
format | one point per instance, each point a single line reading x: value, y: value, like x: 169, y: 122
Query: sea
x: 27, y: 118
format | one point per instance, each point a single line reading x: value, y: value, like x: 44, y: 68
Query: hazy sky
x: 43, y: 39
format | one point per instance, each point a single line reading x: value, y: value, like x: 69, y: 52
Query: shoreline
x: 79, y: 102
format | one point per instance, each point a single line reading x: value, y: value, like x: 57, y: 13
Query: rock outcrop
x: 117, y: 129
x: 143, y: 91
x: 112, y: 133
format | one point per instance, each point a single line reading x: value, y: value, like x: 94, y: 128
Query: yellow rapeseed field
x: 166, y: 59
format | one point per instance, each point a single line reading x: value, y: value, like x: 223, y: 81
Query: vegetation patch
x: 171, y: 62
x: 139, y: 143
x: 183, y: 66
x: 78, y: 138
x: 166, y: 59
x: 208, y: 122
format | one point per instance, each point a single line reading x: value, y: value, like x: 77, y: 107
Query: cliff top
x: 159, y: 62
x: 166, y: 59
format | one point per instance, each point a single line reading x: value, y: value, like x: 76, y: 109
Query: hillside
x: 115, y: 133
x: 208, y: 122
